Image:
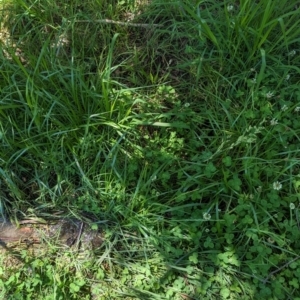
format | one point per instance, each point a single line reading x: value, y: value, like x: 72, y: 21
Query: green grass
x: 180, y: 137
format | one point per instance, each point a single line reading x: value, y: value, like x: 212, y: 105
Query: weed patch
x: 176, y: 123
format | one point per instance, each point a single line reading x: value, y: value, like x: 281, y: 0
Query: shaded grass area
x: 174, y: 126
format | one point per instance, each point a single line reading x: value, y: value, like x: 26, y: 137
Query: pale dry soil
x: 37, y: 238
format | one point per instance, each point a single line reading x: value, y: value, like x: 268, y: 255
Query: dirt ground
x: 67, y: 232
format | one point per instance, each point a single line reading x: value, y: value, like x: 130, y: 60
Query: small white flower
x: 277, y: 186
x: 292, y: 206
x: 206, y: 216
x: 153, y: 178
x: 284, y: 107
x: 259, y: 189
x: 207, y: 230
x: 271, y: 241
x: 187, y: 105
x: 252, y: 70
x: 269, y: 94
x: 230, y: 8
x: 292, y: 53
x: 287, y: 77
x: 274, y: 122
x: 297, y: 109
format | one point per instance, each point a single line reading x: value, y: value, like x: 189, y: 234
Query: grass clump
x: 175, y: 124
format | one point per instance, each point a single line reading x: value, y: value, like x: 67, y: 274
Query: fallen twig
x: 79, y: 236
x: 108, y: 21
x: 279, y: 269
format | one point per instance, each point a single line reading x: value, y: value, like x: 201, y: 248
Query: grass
x: 178, y: 135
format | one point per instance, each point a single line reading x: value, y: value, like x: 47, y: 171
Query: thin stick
x: 279, y: 269
x: 108, y: 21
x: 79, y: 236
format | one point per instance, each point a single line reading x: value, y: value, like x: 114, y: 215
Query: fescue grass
x: 179, y: 137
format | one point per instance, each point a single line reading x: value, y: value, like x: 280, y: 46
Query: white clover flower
x: 277, y: 186
x: 292, y: 53
x: 297, y: 109
x: 269, y: 95
x: 206, y: 216
x: 271, y: 241
x: 292, y: 206
x: 153, y: 178
x: 274, y: 122
x: 259, y: 189
x: 230, y: 8
x: 284, y: 107
x: 187, y: 105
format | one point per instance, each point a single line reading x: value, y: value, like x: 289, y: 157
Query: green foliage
x: 178, y: 129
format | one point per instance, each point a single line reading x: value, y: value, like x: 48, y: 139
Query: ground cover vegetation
x: 175, y: 125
